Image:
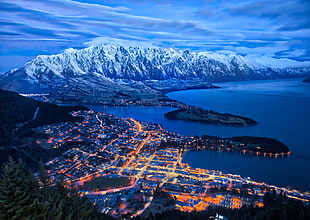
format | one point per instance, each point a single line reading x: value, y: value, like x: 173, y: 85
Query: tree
x: 16, y: 192
x: 43, y: 175
x: 22, y: 197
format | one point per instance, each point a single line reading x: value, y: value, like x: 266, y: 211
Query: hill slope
x: 133, y: 73
x: 18, y: 115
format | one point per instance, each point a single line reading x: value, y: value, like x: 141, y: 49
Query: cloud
x: 294, y: 53
x: 270, y: 50
x: 271, y: 9
x: 273, y: 27
x: 289, y: 14
x: 8, y: 33
x: 123, y: 42
x: 61, y: 7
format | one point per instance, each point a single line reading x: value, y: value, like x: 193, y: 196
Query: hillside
x: 100, y: 74
x: 207, y: 116
x: 20, y: 114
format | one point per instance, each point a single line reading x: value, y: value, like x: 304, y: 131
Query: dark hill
x: 17, y: 118
x: 207, y: 116
x: 268, y: 145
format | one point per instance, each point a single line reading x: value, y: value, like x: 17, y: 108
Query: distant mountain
x: 114, y: 69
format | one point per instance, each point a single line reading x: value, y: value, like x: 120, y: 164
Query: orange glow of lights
x: 236, y: 203
x: 50, y: 140
x: 122, y: 206
x: 260, y: 204
x: 202, y: 205
x: 132, y: 181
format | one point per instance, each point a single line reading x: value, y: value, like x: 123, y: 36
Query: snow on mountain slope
x: 277, y: 63
x: 139, y: 64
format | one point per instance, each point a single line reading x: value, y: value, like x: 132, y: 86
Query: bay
x: 281, y: 108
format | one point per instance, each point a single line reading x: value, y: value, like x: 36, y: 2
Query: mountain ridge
x: 116, y: 69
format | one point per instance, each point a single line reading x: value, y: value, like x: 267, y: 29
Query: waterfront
x: 281, y: 108
x: 141, y: 157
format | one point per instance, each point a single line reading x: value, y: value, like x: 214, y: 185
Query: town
x: 122, y: 165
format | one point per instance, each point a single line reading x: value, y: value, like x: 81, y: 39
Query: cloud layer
x: 274, y: 28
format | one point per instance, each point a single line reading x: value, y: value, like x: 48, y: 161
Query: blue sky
x: 277, y: 28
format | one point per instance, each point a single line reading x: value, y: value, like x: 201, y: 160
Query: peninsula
x: 194, y: 113
x: 307, y: 79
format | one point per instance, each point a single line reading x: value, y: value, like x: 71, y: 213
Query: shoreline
x: 197, y: 114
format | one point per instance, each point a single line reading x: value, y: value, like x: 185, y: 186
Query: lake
x: 281, y: 108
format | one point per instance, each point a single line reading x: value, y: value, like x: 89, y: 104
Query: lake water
x: 281, y: 108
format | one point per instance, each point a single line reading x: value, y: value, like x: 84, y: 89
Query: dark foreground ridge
x: 24, y: 196
x: 208, y: 116
x: 19, y: 115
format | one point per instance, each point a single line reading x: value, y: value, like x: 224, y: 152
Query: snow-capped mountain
x: 116, y: 65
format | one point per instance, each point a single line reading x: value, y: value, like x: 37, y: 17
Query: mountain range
x: 111, y: 72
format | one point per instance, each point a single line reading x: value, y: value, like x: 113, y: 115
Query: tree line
x: 24, y: 196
